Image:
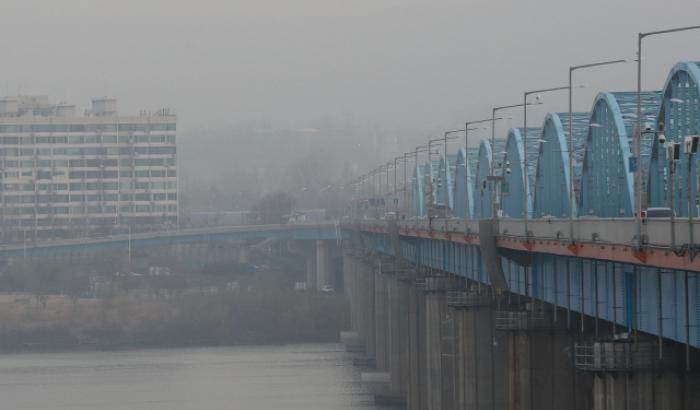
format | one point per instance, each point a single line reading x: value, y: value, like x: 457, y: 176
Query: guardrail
x: 165, y: 234
x: 656, y: 232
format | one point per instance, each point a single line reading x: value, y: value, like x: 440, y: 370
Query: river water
x: 294, y: 377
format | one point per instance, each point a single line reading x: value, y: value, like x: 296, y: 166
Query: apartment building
x: 67, y: 175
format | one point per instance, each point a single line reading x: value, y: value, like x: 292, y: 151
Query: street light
x: 526, y: 182
x: 691, y: 148
x: 571, y: 135
x: 494, y: 110
x: 431, y: 199
x: 638, y: 136
x: 446, y: 134
x: 466, y: 153
x: 396, y: 189
x: 673, y: 154
x: 388, y: 189
x: 373, y: 181
x: 416, y: 151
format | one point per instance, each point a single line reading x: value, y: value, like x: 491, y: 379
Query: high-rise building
x: 64, y: 175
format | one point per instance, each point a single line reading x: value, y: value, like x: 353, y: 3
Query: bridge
x: 316, y: 242
x: 530, y: 272
x: 535, y: 272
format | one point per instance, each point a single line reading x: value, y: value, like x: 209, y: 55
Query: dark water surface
x: 308, y: 377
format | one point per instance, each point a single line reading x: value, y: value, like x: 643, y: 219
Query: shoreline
x: 192, y: 320
x: 124, y: 347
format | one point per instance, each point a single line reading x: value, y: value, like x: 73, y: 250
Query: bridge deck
x: 602, y: 273
x: 611, y: 239
x: 323, y: 231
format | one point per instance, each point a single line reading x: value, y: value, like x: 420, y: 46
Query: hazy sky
x: 396, y: 63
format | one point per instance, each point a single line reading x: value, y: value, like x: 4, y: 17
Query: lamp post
x: 416, y: 151
x: 383, y: 188
x: 396, y: 186
x: 388, y: 188
x: 371, y: 182
x: 395, y: 198
x: 378, y: 187
x: 405, y: 185
x: 466, y: 154
x: 494, y: 110
x: 431, y: 190
x: 637, y: 136
x: 571, y: 135
x: 445, y: 138
x: 673, y: 150
x: 375, y: 179
x: 129, y: 246
x: 365, y: 184
x: 526, y: 182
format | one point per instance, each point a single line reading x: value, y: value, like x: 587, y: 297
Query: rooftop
x: 38, y: 106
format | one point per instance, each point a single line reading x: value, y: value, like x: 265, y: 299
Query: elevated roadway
x: 317, y: 231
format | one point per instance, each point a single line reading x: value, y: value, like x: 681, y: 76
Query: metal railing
x: 419, y: 283
x: 468, y: 299
x: 521, y: 320
x: 620, y: 231
x: 613, y: 356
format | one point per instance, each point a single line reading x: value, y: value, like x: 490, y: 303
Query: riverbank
x: 191, y: 318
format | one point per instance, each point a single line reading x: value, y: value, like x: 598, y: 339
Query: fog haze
x: 390, y: 61
x: 396, y: 69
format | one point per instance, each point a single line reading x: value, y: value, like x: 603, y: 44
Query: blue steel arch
x: 680, y: 114
x: 552, y: 175
x: 464, y: 182
x: 482, y: 189
x: 512, y: 201
x: 607, y: 185
x: 445, y: 189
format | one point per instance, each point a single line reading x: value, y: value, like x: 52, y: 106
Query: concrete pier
x: 381, y: 348
x: 322, y: 274
x: 439, y: 342
x: 417, y: 394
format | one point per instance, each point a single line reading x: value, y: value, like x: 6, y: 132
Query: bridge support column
x: 366, y: 307
x: 404, y: 335
x: 519, y: 371
x: 310, y: 271
x: 396, y: 308
x: 482, y: 356
x: 439, y: 344
x: 539, y: 362
x: 389, y: 322
x: 561, y: 386
x: 666, y: 387
x: 243, y: 254
x: 417, y: 390
x: 321, y: 265
x: 381, y: 358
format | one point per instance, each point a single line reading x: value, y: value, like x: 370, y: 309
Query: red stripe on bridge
x: 656, y: 257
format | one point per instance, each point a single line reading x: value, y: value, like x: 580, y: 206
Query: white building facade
x: 64, y: 175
